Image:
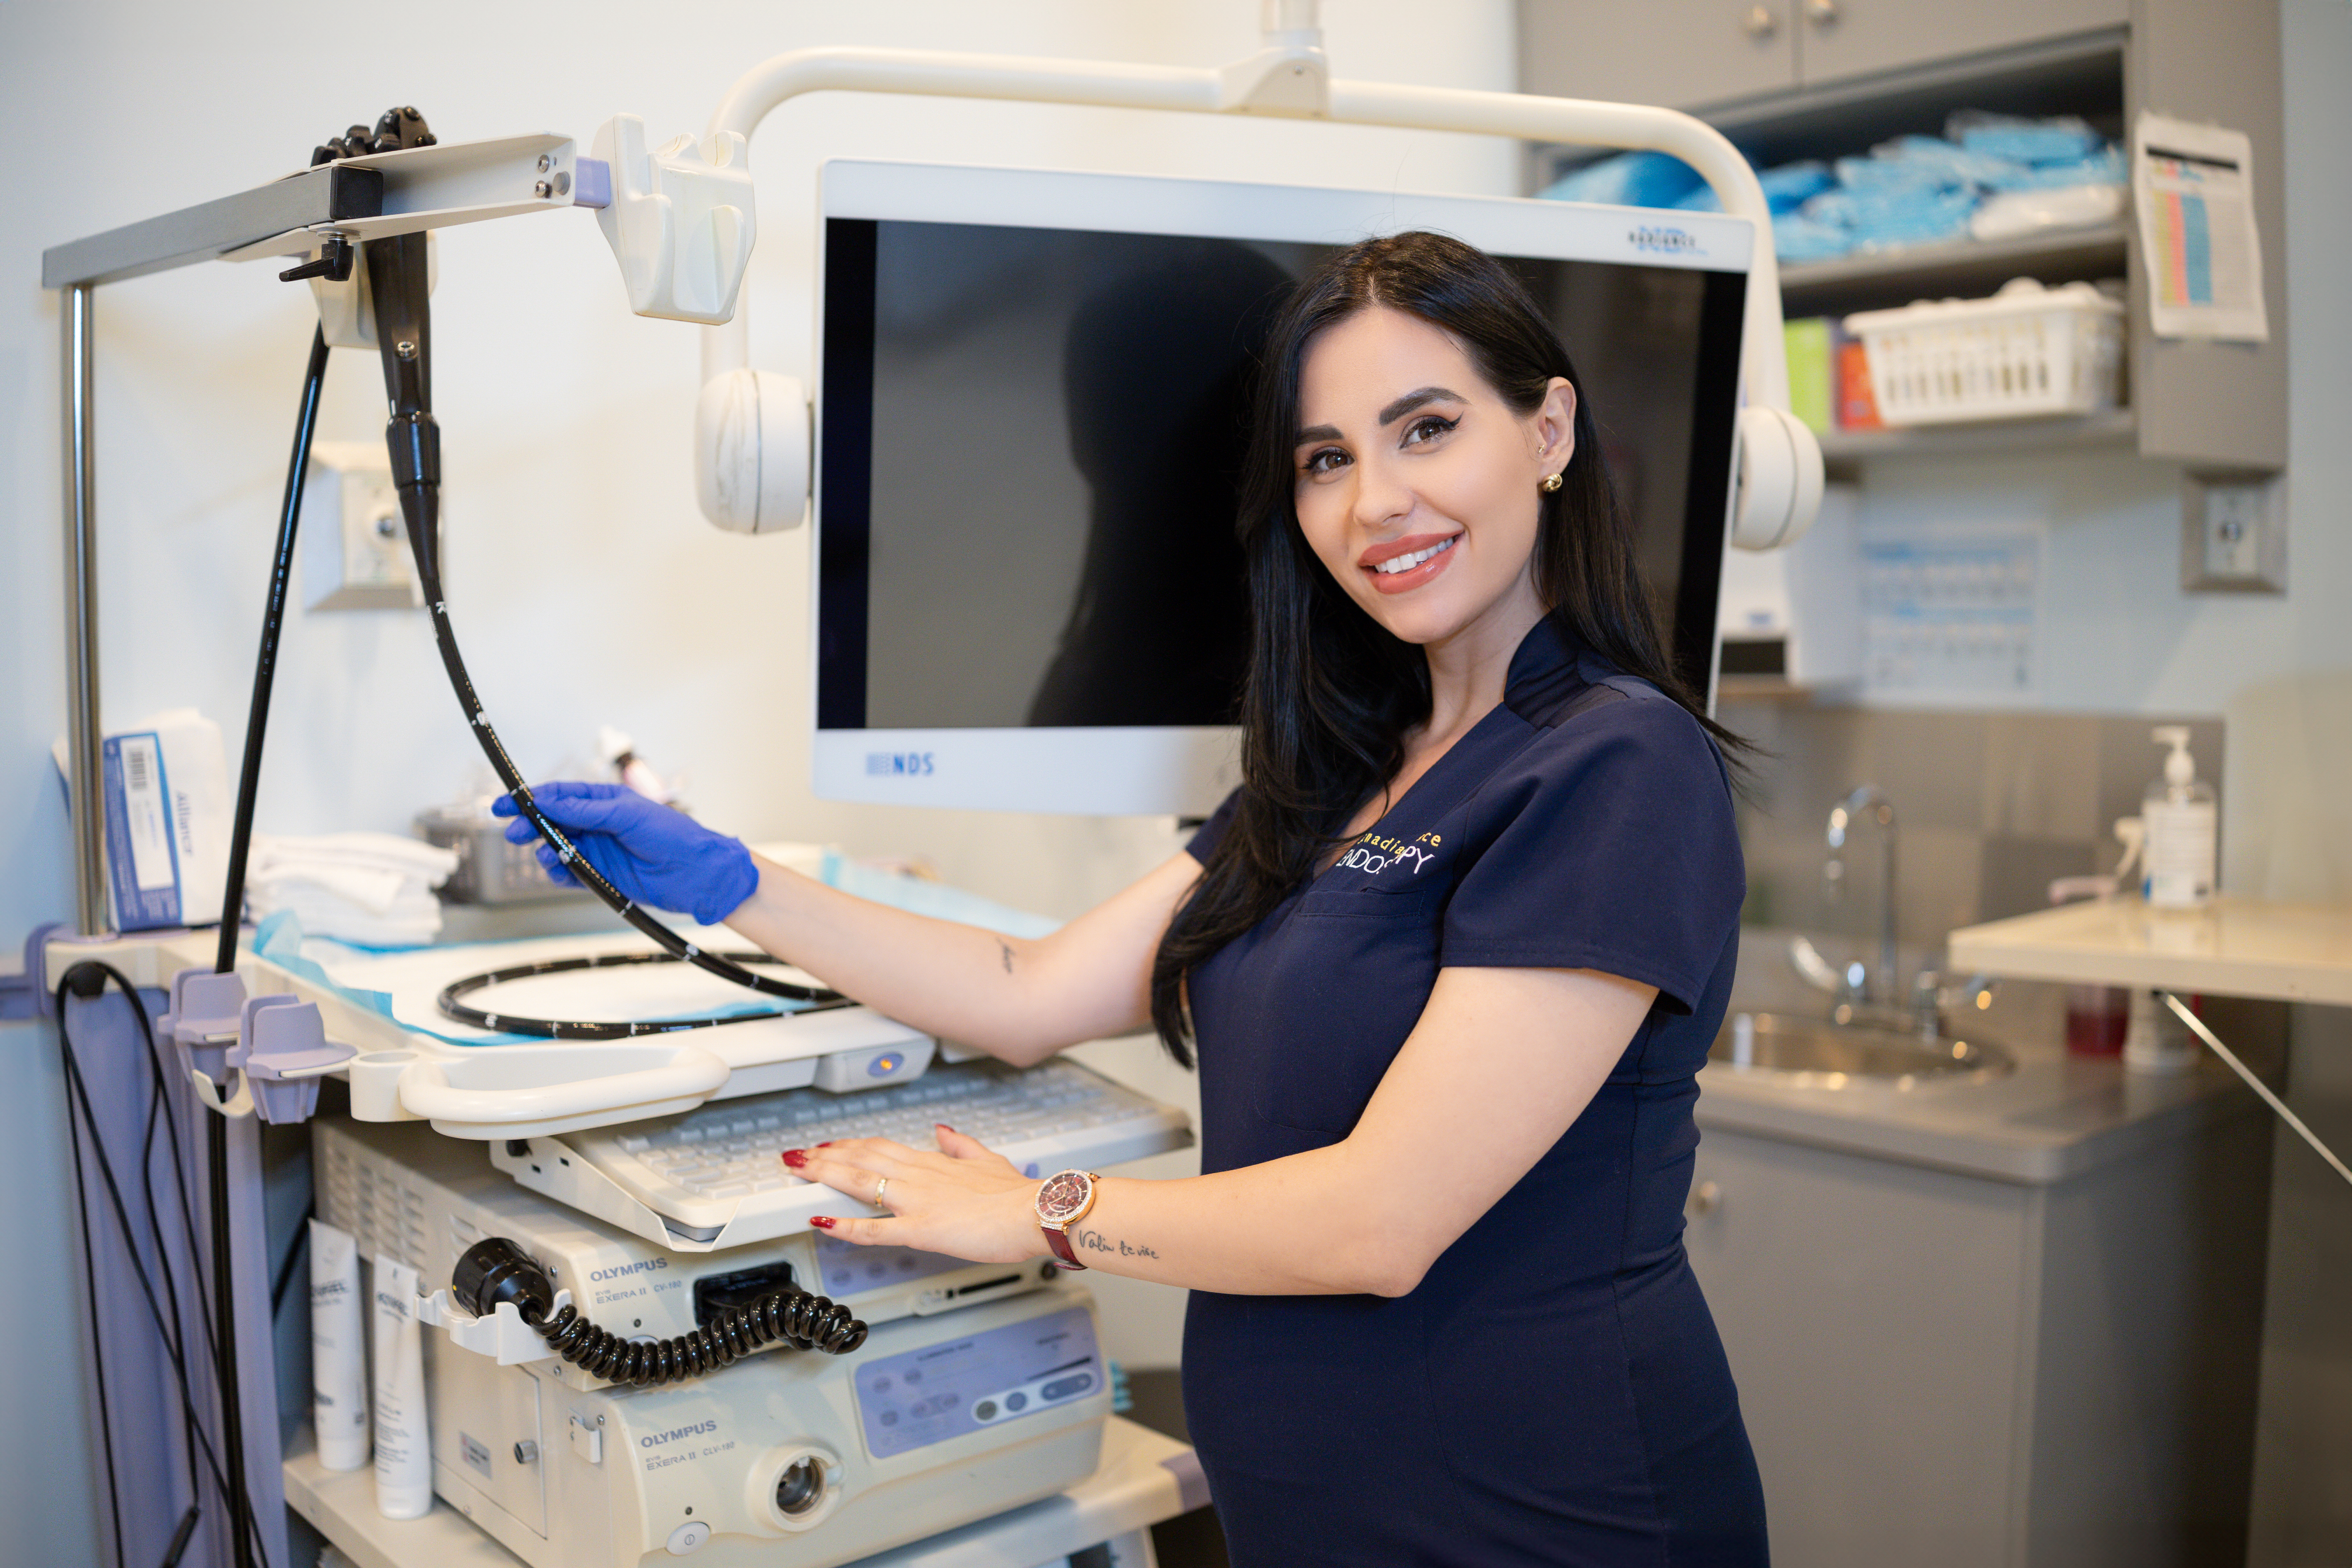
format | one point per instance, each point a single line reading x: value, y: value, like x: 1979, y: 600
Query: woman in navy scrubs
x: 1450, y: 960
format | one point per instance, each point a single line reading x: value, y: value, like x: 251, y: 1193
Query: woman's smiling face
x: 1417, y: 485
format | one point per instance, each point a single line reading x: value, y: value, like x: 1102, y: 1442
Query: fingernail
x: 826, y: 1144
x: 795, y: 1157
x: 823, y: 1222
x: 943, y: 1127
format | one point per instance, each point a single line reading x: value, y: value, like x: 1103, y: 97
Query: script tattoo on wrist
x: 1006, y: 948
x: 1096, y: 1241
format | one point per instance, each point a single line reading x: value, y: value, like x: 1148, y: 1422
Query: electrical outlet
x: 2232, y: 536
x: 355, y: 552
x: 2233, y: 530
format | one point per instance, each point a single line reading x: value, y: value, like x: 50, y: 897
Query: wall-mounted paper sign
x: 1951, y: 616
x: 2194, y: 188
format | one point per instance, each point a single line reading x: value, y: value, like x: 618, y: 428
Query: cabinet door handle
x: 1706, y: 1198
x: 1760, y: 21
x: 1823, y: 13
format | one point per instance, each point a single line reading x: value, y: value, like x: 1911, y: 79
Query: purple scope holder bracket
x: 280, y: 1043
x: 283, y: 1050
x: 203, y: 1023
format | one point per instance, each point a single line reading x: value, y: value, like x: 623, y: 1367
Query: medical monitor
x: 1031, y: 399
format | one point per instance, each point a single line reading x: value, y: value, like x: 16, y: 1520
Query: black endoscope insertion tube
x: 397, y: 284
x: 240, y: 843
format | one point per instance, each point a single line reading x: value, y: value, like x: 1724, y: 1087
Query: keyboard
x: 712, y: 1176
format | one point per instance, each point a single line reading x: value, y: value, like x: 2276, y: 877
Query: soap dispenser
x: 2182, y: 821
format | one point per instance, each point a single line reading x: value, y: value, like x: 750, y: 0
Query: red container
x: 2097, y: 1016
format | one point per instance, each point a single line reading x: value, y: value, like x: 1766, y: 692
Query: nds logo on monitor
x: 898, y: 764
x: 1663, y: 237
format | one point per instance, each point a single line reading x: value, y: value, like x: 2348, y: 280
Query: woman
x: 1450, y: 958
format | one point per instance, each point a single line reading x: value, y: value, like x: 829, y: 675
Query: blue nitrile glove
x: 655, y: 855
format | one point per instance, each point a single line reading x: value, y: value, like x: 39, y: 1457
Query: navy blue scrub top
x: 1554, y: 1390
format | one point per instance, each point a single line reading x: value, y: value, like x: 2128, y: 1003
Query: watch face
x: 1063, y: 1196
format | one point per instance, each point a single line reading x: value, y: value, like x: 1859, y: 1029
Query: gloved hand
x: 655, y: 855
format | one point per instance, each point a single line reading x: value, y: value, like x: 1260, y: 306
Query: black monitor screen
x: 1032, y: 437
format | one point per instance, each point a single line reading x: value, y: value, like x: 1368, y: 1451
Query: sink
x: 1818, y: 1053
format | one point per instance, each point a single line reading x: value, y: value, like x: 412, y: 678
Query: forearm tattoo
x: 1006, y: 949
x: 1096, y: 1241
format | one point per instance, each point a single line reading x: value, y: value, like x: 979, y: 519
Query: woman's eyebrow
x: 1422, y: 398
x: 1419, y: 398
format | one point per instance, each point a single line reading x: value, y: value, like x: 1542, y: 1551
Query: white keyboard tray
x: 573, y: 1170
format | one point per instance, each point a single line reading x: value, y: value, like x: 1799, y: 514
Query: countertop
x: 2240, y: 947
x: 2055, y: 1117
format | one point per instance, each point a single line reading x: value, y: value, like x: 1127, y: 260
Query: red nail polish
x: 823, y: 1222
x: 826, y: 1144
x: 943, y: 1127
x: 795, y: 1157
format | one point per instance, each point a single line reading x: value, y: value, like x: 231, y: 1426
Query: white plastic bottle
x: 404, y: 1445
x: 339, y: 1372
x: 2183, y: 826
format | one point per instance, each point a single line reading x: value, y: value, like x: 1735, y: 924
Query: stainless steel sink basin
x: 1816, y: 1053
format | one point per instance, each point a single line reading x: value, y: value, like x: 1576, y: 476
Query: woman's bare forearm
x: 1433, y: 1152
x: 1306, y: 1226
x: 1017, y: 998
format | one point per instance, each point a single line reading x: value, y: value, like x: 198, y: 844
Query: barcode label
x: 145, y: 817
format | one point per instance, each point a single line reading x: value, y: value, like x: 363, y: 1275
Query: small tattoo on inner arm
x: 1006, y: 949
x: 1096, y: 1241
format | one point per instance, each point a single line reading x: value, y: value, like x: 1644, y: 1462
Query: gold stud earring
x: 1551, y: 484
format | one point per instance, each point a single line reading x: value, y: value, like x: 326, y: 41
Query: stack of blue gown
x: 1913, y: 190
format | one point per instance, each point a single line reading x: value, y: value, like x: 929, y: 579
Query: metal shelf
x: 2112, y: 427
x: 1961, y: 268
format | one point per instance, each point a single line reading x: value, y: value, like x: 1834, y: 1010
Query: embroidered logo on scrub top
x: 1373, y: 854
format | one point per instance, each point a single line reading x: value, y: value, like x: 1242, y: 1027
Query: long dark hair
x: 1330, y: 695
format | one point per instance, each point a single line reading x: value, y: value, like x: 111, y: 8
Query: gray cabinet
x: 1836, y: 1281
x: 1696, y: 52
x: 1675, y: 52
x: 1842, y: 39
x: 1951, y: 1371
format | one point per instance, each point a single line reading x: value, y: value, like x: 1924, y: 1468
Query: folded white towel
x: 410, y: 920
x: 372, y: 887
x: 364, y: 851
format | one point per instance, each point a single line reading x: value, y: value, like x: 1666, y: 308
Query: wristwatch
x: 1062, y: 1202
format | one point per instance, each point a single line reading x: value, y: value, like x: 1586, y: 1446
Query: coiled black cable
x: 495, y: 1270
x: 794, y: 1317
x: 453, y: 1004
x: 161, y: 1291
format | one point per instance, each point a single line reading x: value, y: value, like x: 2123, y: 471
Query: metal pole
x: 83, y: 735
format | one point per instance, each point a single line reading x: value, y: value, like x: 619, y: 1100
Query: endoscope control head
x: 395, y: 129
x: 495, y: 1270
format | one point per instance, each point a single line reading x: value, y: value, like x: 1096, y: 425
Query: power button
x: 687, y: 1536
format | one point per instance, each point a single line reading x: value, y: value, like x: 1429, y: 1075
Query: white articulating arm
x: 1289, y: 77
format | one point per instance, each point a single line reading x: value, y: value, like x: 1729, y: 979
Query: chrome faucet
x: 1881, y: 985
x: 1932, y: 995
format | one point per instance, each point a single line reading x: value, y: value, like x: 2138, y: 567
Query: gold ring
x: 880, y: 1188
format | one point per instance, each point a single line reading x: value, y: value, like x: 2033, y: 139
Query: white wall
x: 586, y: 588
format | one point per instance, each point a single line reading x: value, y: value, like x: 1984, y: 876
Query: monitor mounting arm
x: 752, y: 431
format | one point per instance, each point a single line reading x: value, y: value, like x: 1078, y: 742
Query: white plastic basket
x: 2027, y: 352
